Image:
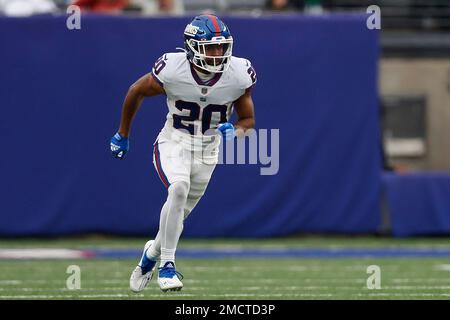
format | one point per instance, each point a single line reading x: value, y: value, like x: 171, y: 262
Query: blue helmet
x: 204, y: 31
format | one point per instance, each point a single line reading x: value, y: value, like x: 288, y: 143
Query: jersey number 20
x: 194, y: 114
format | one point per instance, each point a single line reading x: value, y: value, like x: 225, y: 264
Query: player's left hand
x: 227, y: 130
x: 119, y: 146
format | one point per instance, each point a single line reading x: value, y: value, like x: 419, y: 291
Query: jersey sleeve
x: 160, y: 71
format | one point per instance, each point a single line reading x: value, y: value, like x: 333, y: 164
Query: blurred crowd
x: 149, y: 7
x: 396, y: 14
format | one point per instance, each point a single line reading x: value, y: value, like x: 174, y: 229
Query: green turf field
x: 237, y: 278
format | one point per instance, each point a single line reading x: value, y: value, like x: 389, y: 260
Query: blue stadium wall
x: 61, y: 96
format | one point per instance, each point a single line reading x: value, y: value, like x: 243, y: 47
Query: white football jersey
x: 196, y: 107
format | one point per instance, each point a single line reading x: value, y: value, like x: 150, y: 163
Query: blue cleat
x: 169, y: 278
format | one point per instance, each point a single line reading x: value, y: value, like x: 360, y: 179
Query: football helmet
x: 203, y: 36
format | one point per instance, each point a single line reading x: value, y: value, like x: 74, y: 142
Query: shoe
x: 143, y: 273
x: 169, y: 278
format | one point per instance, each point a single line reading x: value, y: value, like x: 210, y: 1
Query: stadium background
x: 363, y: 151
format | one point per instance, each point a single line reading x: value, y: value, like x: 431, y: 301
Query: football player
x: 203, y: 84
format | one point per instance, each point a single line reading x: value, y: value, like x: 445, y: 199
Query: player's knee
x: 179, y: 191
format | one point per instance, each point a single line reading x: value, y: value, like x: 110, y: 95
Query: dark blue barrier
x: 61, y: 94
x: 419, y: 203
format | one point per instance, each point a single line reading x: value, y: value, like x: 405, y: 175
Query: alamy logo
x: 73, y: 282
x: 258, y: 147
x: 374, y: 20
x: 263, y: 149
x: 374, y: 280
x: 73, y: 21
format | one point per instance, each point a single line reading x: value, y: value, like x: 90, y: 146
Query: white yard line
x: 68, y: 296
x: 254, y: 288
x: 416, y: 287
x: 380, y: 294
x: 10, y: 282
x: 41, y: 253
x: 63, y: 290
x: 224, y: 295
x: 418, y: 280
x: 442, y: 267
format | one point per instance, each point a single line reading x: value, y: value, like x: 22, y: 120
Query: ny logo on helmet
x: 191, y: 30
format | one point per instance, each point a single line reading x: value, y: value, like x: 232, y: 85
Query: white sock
x: 151, y: 253
x: 171, y: 220
x: 154, y: 251
x: 167, y: 255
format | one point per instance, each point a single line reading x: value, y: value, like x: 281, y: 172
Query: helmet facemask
x: 211, y: 63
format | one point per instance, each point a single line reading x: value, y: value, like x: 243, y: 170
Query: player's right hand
x: 119, y: 146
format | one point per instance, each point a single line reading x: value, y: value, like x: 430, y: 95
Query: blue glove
x: 119, y: 146
x: 227, y: 129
